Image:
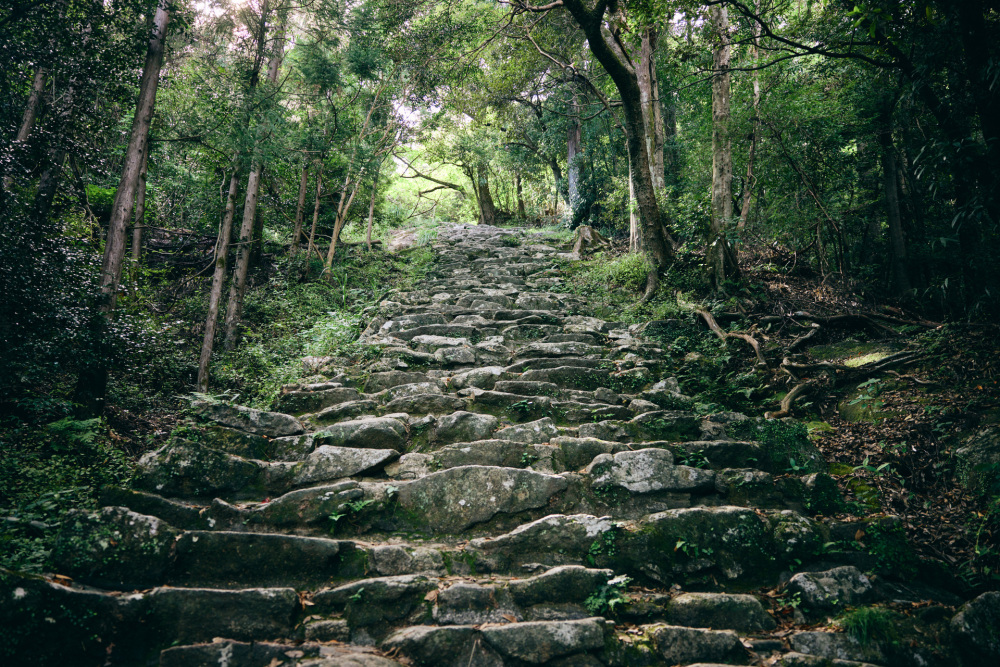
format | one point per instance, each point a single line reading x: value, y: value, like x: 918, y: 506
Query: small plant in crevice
x: 869, y: 624
x: 608, y: 597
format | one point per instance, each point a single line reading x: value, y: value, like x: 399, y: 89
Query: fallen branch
x: 786, y: 402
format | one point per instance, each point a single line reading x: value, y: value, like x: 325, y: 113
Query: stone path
x: 482, y: 493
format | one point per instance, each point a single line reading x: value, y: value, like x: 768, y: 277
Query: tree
x: 721, y: 259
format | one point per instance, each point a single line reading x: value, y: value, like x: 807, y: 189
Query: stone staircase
x: 509, y: 482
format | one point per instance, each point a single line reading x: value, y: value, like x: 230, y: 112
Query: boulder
x: 679, y: 645
x: 464, y: 427
x: 978, y: 461
x: 720, y: 611
x: 830, y: 590
x: 327, y: 463
x: 976, y: 628
x: 372, y: 433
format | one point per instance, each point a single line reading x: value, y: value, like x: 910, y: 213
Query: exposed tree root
x: 714, y: 326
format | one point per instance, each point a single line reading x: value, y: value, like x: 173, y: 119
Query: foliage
x: 870, y: 624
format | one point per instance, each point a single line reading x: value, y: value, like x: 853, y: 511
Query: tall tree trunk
x: 634, y: 228
x: 651, y: 113
x: 29, y: 117
x: 521, y: 213
x: 121, y: 210
x: 671, y: 154
x: 719, y: 255
x: 890, y: 191
x: 749, y: 181
x: 92, y: 382
x: 657, y: 244
x: 301, y: 208
x: 218, y: 278
x: 237, y: 287
x: 343, y: 208
x: 557, y: 177
x: 487, y: 209
x: 139, y: 220
x: 573, y: 137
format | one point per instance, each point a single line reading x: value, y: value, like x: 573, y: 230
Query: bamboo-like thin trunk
x: 371, y: 214
x: 521, y: 213
x: 140, y: 209
x: 300, y: 209
x: 30, y: 115
x: 218, y: 278
x: 312, y: 232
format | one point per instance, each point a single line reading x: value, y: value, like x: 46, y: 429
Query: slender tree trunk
x: 121, y: 210
x: 342, y: 210
x: 749, y: 182
x: 557, y: 177
x: 671, y: 154
x: 719, y: 255
x: 92, y: 382
x: 237, y: 287
x: 371, y: 213
x: 890, y: 191
x: 573, y: 139
x: 30, y: 115
x: 634, y: 228
x: 651, y: 113
x: 300, y: 209
x: 521, y: 213
x: 139, y: 219
x: 312, y: 231
x: 218, y: 279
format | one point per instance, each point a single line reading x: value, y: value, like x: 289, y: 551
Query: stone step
x: 269, y: 654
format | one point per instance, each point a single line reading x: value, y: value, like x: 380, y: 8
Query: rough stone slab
x: 538, y: 642
x: 648, y: 470
x: 371, y: 601
x: 234, y: 441
x: 537, y: 432
x: 566, y: 583
x: 177, y: 514
x: 836, y: 646
x: 449, y: 646
x: 377, y: 382
x: 719, y: 611
x: 503, y: 453
x: 482, y: 378
x: 184, y: 468
x: 571, y: 349
x: 580, y: 452
x: 328, y: 463
x: 452, y: 500
x: 300, y: 402
x: 467, y: 603
x: 271, y: 424
x: 557, y: 539
x: 115, y: 548
x: 796, y: 659
x: 679, y: 645
x: 373, y: 433
x: 303, y: 507
x: 349, y: 410
x: 200, y: 614
x: 724, y: 453
x: 464, y: 427
x: 422, y: 404
x: 227, y: 559
x: 390, y: 560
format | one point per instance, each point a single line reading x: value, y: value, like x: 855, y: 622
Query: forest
x: 790, y: 209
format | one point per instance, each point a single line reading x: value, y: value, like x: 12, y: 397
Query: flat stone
x: 452, y: 500
x: 503, y: 453
x: 724, y: 453
x: 327, y: 463
x: 720, y: 611
x: 271, y: 424
x: 234, y: 441
x: 556, y: 539
x: 183, y: 468
x: 540, y: 641
x: 464, y: 427
x: 177, y: 514
x: 580, y: 452
x: 449, y: 331
x: 686, y: 645
x: 373, y: 433
x: 392, y: 560
x: 526, y: 388
x: 537, y: 432
x: 557, y: 350
x: 648, y: 470
x: 412, y: 389
x: 303, y: 507
x: 455, y: 356
x: 832, y: 589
